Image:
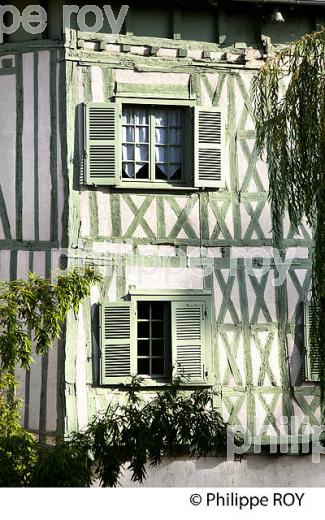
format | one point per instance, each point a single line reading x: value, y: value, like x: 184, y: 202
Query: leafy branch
x: 289, y: 96
x: 132, y: 435
x: 31, y: 315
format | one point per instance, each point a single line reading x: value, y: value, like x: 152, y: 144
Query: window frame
x: 152, y: 164
x: 193, y: 296
x: 187, y: 180
x: 167, y: 342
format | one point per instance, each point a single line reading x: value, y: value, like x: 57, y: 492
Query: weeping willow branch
x: 289, y: 105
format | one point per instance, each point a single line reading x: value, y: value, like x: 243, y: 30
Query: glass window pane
x: 127, y: 116
x: 161, y: 173
x: 158, y: 367
x: 128, y: 134
x: 174, y: 136
x: 143, y: 310
x: 158, y: 310
x: 141, y: 152
x: 143, y: 348
x: 143, y: 329
x: 175, y: 173
x: 128, y: 170
x: 128, y: 152
x: 161, y: 154
x: 157, y: 328
x: 161, y: 118
x: 142, y: 172
x: 174, y: 117
x: 161, y: 135
x: 141, y: 116
x: 141, y: 134
x: 143, y: 366
x: 157, y: 347
x: 175, y: 154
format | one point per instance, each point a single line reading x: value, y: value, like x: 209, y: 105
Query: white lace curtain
x: 168, y: 147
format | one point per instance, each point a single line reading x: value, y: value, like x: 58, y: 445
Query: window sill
x: 148, y: 384
x: 151, y: 187
x: 125, y: 184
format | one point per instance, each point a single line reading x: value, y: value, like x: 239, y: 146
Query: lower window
x: 156, y: 338
x: 153, y: 339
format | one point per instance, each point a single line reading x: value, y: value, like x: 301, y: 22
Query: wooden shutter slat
x: 116, y: 344
x: 102, y: 130
x: 311, y: 354
x: 209, y: 147
x: 189, y: 341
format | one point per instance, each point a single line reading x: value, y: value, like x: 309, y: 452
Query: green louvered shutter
x: 209, y: 160
x: 102, y: 143
x: 190, y: 341
x: 116, y: 342
x: 311, y: 354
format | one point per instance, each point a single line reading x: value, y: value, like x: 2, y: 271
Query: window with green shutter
x: 154, y: 144
x: 157, y: 337
x: 311, y: 353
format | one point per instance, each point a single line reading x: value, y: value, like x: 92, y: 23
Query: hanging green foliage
x: 290, y: 120
x: 31, y: 315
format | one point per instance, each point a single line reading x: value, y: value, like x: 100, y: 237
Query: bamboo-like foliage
x: 31, y: 315
x: 289, y: 105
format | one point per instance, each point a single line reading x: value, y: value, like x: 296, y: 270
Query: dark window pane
x: 173, y: 176
x: 157, y: 329
x: 158, y: 311
x: 143, y: 348
x: 158, y: 347
x: 143, y: 366
x: 143, y: 173
x: 143, y: 329
x: 158, y: 366
x: 143, y: 310
x: 177, y: 175
x: 128, y: 170
x: 160, y: 175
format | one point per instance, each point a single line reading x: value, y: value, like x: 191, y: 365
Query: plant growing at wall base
x: 130, y: 435
x: 290, y: 121
x: 141, y: 433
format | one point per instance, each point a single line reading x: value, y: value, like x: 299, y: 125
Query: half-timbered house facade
x: 136, y: 153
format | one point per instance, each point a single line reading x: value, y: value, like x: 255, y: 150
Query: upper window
x: 152, y: 144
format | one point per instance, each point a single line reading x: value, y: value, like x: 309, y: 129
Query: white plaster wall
x: 8, y: 148
x: 251, y: 471
x: 44, y: 129
x: 159, y: 278
x: 151, y: 78
x: 31, y: 388
x: 28, y: 147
